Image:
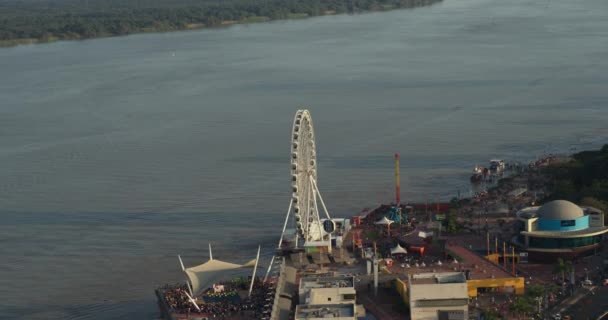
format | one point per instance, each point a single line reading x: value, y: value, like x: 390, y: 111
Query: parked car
x: 605, y: 282
x: 587, y: 282
x: 557, y: 316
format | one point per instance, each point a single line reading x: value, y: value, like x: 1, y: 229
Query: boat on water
x: 478, y: 169
x: 497, y: 165
x: 479, y: 174
x: 476, y: 178
x: 496, y: 169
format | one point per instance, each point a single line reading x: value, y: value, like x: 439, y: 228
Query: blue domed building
x: 559, y: 229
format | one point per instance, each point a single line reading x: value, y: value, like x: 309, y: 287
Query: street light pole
x: 479, y: 223
x: 486, y: 214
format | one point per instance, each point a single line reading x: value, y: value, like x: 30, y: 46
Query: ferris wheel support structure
x: 303, y: 206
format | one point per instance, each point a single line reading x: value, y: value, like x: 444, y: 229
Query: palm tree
x: 562, y: 267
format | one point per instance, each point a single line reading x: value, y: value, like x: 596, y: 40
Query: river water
x: 116, y: 154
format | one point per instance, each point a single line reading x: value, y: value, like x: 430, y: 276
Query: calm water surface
x: 117, y: 154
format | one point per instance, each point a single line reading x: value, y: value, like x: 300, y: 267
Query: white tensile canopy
x: 205, y: 275
x: 398, y: 250
x: 384, y: 221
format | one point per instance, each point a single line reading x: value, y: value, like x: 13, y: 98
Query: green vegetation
x: 535, y: 291
x: 562, y: 267
x: 372, y: 235
x: 529, y: 302
x: 522, y: 305
x: 29, y: 21
x: 451, y: 223
x: 582, y: 180
x: 490, y: 314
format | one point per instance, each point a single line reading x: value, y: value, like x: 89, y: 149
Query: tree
x: 490, y: 314
x: 535, y: 290
x: 80, y: 19
x: 452, y: 222
x: 521, y: 305
x: 454, y: 203
x: 562, y: 267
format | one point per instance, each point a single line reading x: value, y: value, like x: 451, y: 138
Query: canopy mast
x: 255, y: 268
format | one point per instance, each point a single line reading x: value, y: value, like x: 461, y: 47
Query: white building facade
x: 438, y: 296
x: 327, y: 290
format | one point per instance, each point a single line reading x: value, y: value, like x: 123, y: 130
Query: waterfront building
x: 315, y: 290
x: 438, y: 296
x: 559, y: 229
x: 323, y: 296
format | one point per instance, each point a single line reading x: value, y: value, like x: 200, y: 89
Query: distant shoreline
x: 191, y: 26
x: 161, y: 28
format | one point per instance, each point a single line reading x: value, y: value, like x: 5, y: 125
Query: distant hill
x: 25, y: 21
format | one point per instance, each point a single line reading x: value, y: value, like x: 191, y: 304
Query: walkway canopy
x: 205, y: 275
x: 384, y: 221
x: 398, y: 250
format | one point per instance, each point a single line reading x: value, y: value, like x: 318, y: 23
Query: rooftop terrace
x: 310, y: 282
x: 438, y: 278
x: 322, y: 311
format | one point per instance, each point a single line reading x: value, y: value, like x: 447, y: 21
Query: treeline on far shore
x: 23, y: 21
x: 582, y: 180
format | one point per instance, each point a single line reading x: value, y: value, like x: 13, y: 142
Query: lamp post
x: 486, y: 214
x: 539, y: 300
x: 479, y: 223
x: 546, y: 300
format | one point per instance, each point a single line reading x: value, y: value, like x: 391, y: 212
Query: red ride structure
x: 397, y: 187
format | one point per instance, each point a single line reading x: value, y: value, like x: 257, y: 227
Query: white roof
x: 206, y: 274
x: 425, y: 234
x: 398, y: 249
x: 560, y: 210
x: 384, y: 221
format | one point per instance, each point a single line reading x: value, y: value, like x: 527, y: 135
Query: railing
x: 280, y: 285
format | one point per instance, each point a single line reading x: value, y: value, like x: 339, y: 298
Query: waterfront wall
x: 165, y: 312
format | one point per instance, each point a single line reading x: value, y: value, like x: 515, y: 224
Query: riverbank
x: 61, y: 24
x: 190, y: 26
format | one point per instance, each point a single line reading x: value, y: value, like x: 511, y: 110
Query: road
x: 589, y: 306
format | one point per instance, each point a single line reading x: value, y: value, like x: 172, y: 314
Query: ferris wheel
x: 305, y: 192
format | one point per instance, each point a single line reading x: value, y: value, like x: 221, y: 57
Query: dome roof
x: 560, y: 210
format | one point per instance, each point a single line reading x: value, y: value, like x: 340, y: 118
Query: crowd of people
x: 226, y: 304
x: 231, y: 296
